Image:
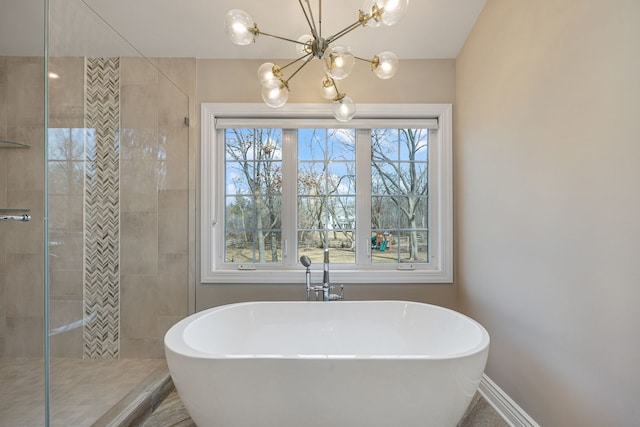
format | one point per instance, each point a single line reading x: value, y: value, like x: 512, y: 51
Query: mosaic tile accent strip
x: 102, y: 210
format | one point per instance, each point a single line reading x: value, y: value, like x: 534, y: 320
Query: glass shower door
x: 22, y: 94
x: 118, y: 187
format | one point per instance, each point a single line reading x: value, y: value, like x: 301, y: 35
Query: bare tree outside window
x: 326, y: 193
x: 399, y: 195
x: 253, y: 171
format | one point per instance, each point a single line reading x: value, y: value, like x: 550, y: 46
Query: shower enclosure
x: 95, y: 150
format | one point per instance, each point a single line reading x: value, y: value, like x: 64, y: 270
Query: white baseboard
x: 509, y: 410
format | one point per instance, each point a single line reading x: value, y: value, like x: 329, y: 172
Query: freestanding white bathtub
x: 338, y: 364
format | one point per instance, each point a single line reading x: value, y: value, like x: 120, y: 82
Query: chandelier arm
x: 286, y: 82
x: 320, y: 17
x: 299, y: 59
x: 344, y: 31
x: 278, y: 37
x: 310, y: 22
x: 339, y: 95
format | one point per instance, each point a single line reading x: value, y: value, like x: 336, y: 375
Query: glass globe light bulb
x: 344, y: 109
x: 386, y: 65
x: 394, y: 10
x: 328, y: 88
x: 275, y: 97
x: 303, y: 46
x: 368, y: 8
x: 238, y: 25
x: 266, y: 76
x: 338, y: 62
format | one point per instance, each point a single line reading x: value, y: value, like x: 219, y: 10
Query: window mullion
x: 363, y: 197
x: 289, y: 195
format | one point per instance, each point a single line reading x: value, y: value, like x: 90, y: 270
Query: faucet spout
x: 325, y: 271
x: 325, y: 287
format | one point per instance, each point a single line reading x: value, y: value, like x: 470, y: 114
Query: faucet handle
x: 337, y: 297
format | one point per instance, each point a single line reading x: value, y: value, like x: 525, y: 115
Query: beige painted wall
x: 419, y: 81
x: 547, y: 204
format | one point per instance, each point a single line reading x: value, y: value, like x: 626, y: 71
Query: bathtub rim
x: 174, y: 338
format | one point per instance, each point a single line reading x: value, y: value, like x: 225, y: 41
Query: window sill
x: 337, y: 276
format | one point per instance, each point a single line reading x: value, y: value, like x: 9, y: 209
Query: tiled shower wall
x: 21, y: 186
x: 152, y: 193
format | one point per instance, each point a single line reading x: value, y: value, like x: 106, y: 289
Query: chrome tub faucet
x: 326, y: 286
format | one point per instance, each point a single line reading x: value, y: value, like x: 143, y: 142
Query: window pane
x: 268, y: 209
x: 311, y: 244
x: 258, y: 246
x: 240, y: 213
x: 326, y: 192
x: 413, y: 246
x: 342, y: 212
x: 413, y: 178
x: 238, y: 179
x: 383, y: 247
x: 414, y: 144
x: 253, y: 144
x: 399, y: 175
x: 384, y: 213
x: 342, y: 144
x: 413, y: 212
x: 312, y: 144
x: 311, y: 178
x: 312, y: 212
x: 341, y: 178
x: 253, y: 188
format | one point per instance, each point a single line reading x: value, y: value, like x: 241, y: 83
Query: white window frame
x: 438, y: 270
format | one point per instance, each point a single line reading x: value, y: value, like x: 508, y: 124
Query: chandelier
x: 337, y: 59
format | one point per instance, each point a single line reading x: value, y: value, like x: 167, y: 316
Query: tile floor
x: 81, y: 390
x: 171, y: 413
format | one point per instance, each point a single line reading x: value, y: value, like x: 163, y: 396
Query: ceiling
x: 194, y: 28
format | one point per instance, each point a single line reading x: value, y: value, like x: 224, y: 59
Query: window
x: 279, y: 184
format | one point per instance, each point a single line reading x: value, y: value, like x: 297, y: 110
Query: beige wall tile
x: 25, y: 167
x: 139, y: 243
x: 2, y: 253
x: 138, y: 306
x: 173, y: 104
x: 166, y: 322
x: 173, y: 145
x: 141, y: 348
x: 25, y: 79
x: 172, y: 222
x: 66, y: 283
x: 64, y: 313
x: 139, y: 144
x: 24, y: 285
x: 138, y: 71
x: 3, y: 312
x: 138, y: 185
x: 3, y: 106
x: 181, y: 71
x: 3, y: 69
x: 24, y: 337
x: 3, y: 178
x: 66, y: 93
x: 66, y: 250
x: 172, y: 285
x: 139, y: 106
x: 25, y: 237
x: 66, y: 212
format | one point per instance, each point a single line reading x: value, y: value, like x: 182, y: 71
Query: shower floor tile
x: 81, y: 389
